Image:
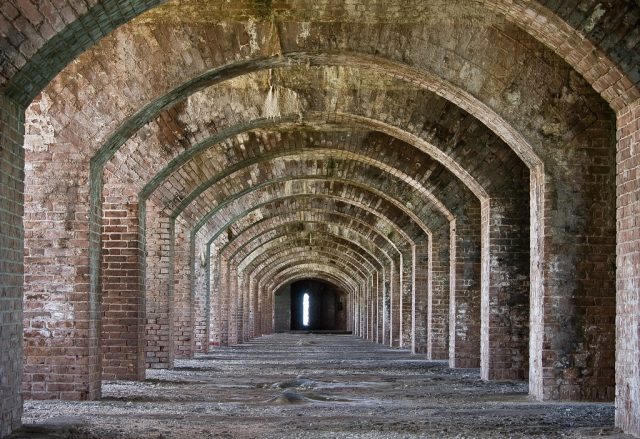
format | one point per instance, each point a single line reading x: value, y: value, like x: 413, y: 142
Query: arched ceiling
x: 294, y: 139
x: 43, y: 39
x: 385, y: 124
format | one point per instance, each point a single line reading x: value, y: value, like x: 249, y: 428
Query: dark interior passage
x: 325, y: 306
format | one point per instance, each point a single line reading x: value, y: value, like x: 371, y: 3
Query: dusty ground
x: 314, y: 386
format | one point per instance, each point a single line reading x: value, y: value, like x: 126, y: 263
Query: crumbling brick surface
x: 183, y: 162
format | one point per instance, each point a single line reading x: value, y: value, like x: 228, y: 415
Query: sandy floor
x: 314, y: 386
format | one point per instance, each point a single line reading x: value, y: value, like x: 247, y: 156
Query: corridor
x: 308, y: 386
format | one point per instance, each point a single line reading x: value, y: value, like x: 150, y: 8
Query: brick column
x: 159, y: 348
x: 574, y: 355
x: 396, y: 292
x: 354, y: 312
x: 257, y: 304
x: 63, y: 211
x: 11, y: 263
x: 379, y: 279
x: 363, y: 311
x: 269, y: 312
x: 200, y: 298
x: 247, y: 314
x: 235, y: 308
x: 438, y: 302
x: 386, y: 305
x: 464, y: 301
x: 215, y: 300
x: 180, y: 267
x: 406, y: 301
x: 372, y: 306
x: 628, y: 271
x: 421, y: 294
x: 367, y: 309
x: 123, y: 335
x: 224, y: 301
x: 505, y: 307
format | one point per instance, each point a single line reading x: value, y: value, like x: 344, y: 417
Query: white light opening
x: 305, y: 310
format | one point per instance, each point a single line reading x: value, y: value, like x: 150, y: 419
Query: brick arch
x: 309, y: 266
x: 289, y: 226
x: 316, y: 187
x: 297, y: 242
x: 299, y: 266
x: 282, y: 322
x: 155, y: 300
x: 312, y: 270
x: 360, y: 253
x: 362, y: 182
x: 283, y: 261
x: 391, y: 262
x: 287, y: 263
x: 278, y: 261
x: 632, y: 118
x: 332, y: 280
x: 284, y: 235
x: 261, y: 269
x: 299, y: 271
x: 256, y: 229
x: 438, y: 269
x: 538, y: 192
x: 359, y: 308
x: 461, y: 260
x: 288, y: 235
x: 56, y: 49
x: 289, y: 220
x: 299, y: 277
x: 310, y: 154
x: 259, y: 325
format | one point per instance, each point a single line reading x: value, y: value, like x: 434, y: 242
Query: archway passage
x: 317, y: 306
x: 178, y: 177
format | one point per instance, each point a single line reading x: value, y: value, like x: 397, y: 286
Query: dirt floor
x: 314, y: 386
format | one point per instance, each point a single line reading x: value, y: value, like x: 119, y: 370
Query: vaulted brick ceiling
x: 272, y: 135
x: 330, y: 139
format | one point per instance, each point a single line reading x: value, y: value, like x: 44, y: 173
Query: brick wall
x: 569, y: 130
